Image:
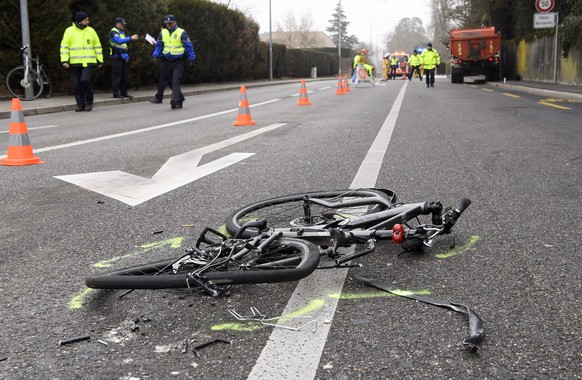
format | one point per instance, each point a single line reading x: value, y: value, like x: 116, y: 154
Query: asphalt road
x: 515, y: 155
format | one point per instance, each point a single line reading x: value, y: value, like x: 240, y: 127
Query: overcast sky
x: 383, y: 14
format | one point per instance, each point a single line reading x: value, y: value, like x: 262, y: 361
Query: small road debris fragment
x: 73, y: 340
x: 205, y: 344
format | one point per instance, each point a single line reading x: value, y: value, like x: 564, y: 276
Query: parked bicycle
x: 285, y: 238
x: 32, y: 76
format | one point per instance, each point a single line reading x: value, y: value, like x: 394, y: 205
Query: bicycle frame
x: 380, y: 225
x: 26, y: 81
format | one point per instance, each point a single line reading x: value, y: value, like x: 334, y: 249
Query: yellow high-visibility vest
x: 173, y: 42
x: 81, y: 46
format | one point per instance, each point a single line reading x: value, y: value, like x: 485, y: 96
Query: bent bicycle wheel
x: 17, y: 83
x: 283, y: 260
x: 292, y: 211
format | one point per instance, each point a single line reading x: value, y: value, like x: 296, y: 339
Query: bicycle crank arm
x: 355, y: 255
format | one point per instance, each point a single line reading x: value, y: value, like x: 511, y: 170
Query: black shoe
x: 117, y: 96
x: 155, y: 100
x: 431, y: 85
x: 89, y: 107
x: 427, y: 86
x: 172, y: 104
x: 80, y: 109
x: 127, y: 96
x: 178, y: 105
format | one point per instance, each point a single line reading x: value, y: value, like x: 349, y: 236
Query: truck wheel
x: 454, y: 78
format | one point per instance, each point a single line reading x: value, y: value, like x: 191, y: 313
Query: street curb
x: 143, y: 98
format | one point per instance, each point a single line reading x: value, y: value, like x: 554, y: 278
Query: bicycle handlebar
x: 451, y: 217
x: 465, y: 202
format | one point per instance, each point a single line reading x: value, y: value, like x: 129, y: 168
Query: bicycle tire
x: 14, y: 83
x: 287, y: 211
x: 158, y: 275
x: 47, y: 84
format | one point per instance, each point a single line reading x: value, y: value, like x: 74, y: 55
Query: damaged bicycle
x: 286, y: 239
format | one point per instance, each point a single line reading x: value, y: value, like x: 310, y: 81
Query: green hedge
x: 226, y: 42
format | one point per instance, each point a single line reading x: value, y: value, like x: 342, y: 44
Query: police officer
x: 430, y: 60
x: 80, y: 52
x: 174, y: 46
x: 119, y: 58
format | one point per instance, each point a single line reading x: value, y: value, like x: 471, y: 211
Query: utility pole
x: 556, y: 51
x: 25, y: 38
x: 339, y: 37
x: 270, y: 46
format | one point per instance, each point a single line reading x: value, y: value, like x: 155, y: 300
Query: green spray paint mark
x: 222, y: 229
x: 457, y: 251
x: 175, y: 243
x: 357, y: 296
x: 77, y: 301
x: 107, y: 263
x: 172, y: 243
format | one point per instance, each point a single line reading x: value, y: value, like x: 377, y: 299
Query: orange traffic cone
x: 346, y: 84
x: 19, y: 148
x: 340, y: 87
x: 303, y: 99
x: 243, y: 118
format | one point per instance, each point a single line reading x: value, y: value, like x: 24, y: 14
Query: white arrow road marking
x: 178, y: 171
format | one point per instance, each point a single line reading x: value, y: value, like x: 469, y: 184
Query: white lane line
x: 296, y: 354
x: 324, y: 88
x: 35, y: 128
x: 143, y: 130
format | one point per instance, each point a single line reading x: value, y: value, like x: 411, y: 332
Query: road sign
x: 544, y: 20
x: 544, y: 5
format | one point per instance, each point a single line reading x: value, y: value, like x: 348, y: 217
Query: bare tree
x: 298, y: 32
x: 409, y: 34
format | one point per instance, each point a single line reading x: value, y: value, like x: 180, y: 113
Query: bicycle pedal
x: 207, y: 286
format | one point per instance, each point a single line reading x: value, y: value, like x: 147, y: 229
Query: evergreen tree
x: 339, y: 21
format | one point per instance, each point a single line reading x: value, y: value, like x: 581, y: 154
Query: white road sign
x: 544, y: 20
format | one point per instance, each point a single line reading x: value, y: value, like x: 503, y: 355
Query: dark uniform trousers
x: 119, y: 76
x: 81, y: 79
x: 172, y: 73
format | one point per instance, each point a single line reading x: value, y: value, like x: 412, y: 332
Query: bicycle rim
x: 47, y: 85
x: 284, y: 260
x: 289, y: 212
x: 17, y: 85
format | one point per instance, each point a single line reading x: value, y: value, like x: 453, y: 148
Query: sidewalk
x: 60, y: 103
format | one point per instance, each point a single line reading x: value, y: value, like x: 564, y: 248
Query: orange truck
x: 474, y: 52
